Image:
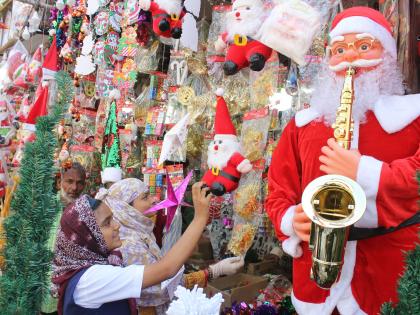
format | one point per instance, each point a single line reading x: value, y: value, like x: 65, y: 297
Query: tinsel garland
x: 408, y: 285
x: 111, y: 153
x: 33, y: 210
x: 284, y: 307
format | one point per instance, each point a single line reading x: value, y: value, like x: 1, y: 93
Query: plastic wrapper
x: 126, y: 138
x: 264, y: 83
x: 155, y: 122
x: 290, y: 29
x: 237, y: 92
x: 242, y: 238
x: 178, y: 69
x: 217, y: 27
x: 104, y: 82
x: 84, y: 129
x: 146, y: 58
x: 247, y: 200
x: 254, y: 134
x: 20, y: 14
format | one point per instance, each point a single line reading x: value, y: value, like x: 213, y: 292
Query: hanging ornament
x: 60, y: 5
x: 127, y: 45
x: 92, y: 7
x: 34, y: 22
x: 26, y: 35
x: 291, y: 82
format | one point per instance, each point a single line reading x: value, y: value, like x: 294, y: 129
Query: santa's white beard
x: 220, y: 158
x: 385, y: 79
x: 65, y: 198
x: 247, y: 26
x: 172, y: 6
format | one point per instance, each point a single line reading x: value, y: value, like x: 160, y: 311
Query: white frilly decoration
x: 194, y: 302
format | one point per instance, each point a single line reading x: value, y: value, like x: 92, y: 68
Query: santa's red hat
x: 223, y: 125
x: 50, y: 65
x: 39, y: 108
x: 365, y: 20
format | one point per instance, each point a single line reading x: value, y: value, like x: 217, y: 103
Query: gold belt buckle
x: 215, y: 171
x: 174, y: 17
x: 240, y: 40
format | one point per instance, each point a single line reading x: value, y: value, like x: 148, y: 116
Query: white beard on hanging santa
x: 167, y: 16
x: 243, y: 50
x: 226, y: 165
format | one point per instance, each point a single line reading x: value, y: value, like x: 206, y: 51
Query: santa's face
x: 361, y: 51
x: 245, y: 18
x: 221, y: 150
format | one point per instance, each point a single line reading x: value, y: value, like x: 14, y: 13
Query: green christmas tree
x: 34, y: 207
x: 111, y: 153
x: 408, y: 285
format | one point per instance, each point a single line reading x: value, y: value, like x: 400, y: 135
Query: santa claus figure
x: 383, y: 159
x: 167, y: 16
x: 225, y: 161
x: 243, y: 50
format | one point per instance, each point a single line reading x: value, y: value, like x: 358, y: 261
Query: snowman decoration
x: 243, y: 49
x: 225, y: 160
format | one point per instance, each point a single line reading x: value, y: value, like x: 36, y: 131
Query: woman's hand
x: 201, y: 200
x: 301, y: 224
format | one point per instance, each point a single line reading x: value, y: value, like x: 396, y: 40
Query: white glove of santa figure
x: 244, y: 167
x: 220, y: 45
x: 226, y: 267
x: 144, y: 4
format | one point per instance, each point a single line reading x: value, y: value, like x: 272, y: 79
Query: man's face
x: 361, y: 51
x: 73, y: 184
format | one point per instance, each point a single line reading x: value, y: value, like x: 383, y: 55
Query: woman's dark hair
x: 94, y: 203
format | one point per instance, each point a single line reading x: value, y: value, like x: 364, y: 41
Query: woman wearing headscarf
x: 128, y: 200
x: 89, y: 274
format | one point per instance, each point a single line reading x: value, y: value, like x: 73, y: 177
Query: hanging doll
x: 225, y: 161
x: 243, y: 50
x: 167, y: 16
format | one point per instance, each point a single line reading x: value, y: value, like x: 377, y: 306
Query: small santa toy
x: 167, y: 16
x: 242, y: 25
x: 225, y: 161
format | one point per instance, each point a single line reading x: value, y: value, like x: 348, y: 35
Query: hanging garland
x: 34, y: 207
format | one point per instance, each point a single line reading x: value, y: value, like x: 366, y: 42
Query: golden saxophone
x: 334, y: 202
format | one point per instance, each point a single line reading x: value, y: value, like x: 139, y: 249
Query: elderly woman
x: 128, y: 199
x: 89, y: 274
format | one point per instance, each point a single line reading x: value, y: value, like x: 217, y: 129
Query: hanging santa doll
x: 242, y: 25
x: 225, y: 161
x: 167, y: 16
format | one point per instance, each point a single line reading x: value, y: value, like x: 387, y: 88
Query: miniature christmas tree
x: 111, y: 153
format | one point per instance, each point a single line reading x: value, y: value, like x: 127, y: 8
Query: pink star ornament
x: 174, y: 199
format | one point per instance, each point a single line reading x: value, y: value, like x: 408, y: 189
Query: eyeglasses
x: 361, y: 46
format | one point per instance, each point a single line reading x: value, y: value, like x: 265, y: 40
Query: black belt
x: 356, y: 233
x: 217, y: 172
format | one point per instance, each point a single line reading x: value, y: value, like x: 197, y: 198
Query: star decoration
x: 174, y: 199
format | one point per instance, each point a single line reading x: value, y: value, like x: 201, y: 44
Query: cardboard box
x: 237, y: 288
x: 263, y: 267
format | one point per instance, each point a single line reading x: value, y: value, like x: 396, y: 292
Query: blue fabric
x: 70, y: 308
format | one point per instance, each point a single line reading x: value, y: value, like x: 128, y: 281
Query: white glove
x: 219, y: 45
x: 244, y: 167
x: 226, y: 267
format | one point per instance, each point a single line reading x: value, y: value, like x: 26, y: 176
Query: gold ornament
x: 246, y: 204
x: 251, y: 144
x: 89, y: 88
x: 185, y: 94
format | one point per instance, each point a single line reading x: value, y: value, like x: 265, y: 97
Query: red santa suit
x: 226, y: 178
x: 174, y: 19
x: 389, y: 143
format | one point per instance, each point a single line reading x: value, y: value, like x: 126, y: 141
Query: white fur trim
x: 145, y: 4
x: 305, y: 116
x: 286, y: 224
x: 361, y: 24
x: 396, y: 112
x: 48, y: 74
x: 225, y: 137
x: 291, y: 246
x: 111, y: 175
x: 220, y: 92
x: 340, y: 293
x: 368, y: 175
x: 244, y: 167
